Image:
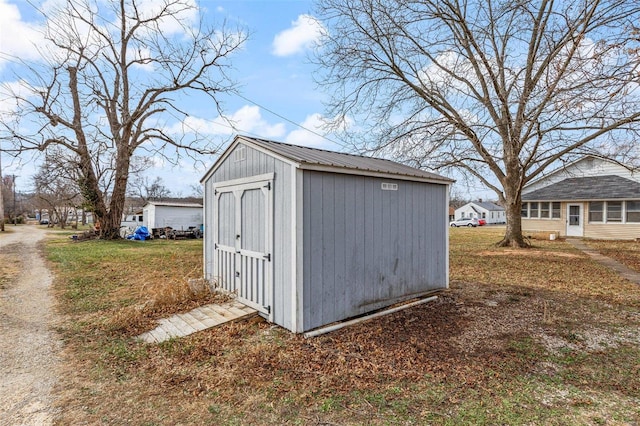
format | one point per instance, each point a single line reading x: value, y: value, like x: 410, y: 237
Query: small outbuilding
x: 309, y: 237
x: 179, y: 216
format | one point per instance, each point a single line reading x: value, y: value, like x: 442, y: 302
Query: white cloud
x: 304, y: 137
x: 17, y: 38
x: 143, y: 57
x: 247, y: 119
x: 304, y: 33
x: 11, y: 94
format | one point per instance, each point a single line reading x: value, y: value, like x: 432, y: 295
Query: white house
x: 591, y: 197
x: 490, y: 212
x: 179, y: 216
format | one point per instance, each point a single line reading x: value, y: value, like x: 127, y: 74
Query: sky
x: 280, y: 99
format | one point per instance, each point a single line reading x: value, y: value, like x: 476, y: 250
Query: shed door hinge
x: 268, y: 186
x: 267, y: 256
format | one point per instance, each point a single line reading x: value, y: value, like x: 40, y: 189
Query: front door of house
x: 575, y: 220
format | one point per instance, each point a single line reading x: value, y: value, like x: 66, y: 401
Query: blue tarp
x: 140, y: 234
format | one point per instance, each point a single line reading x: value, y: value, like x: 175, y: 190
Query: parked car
x: 464, y: 222
x: 482, y: 222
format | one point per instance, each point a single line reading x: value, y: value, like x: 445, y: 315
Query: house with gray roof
x: 490, y: 212
x: 591, y: 197
x: 309, y: 237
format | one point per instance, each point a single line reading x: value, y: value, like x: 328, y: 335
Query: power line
x: 290, y: 121
x: 234, y: 128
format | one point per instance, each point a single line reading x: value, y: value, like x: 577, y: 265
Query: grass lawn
x: 539, y: 337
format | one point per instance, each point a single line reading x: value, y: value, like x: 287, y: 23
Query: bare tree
x: 501, y: 89
x: 147, y: 190
x: 115, y: 71
x: 56, y: 188
x: 197, y: 191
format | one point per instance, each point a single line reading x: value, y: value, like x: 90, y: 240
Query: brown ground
x: 538, y: 334
x: 29, y: 346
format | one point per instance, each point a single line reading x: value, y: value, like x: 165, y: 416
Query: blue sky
x: 273, y: 70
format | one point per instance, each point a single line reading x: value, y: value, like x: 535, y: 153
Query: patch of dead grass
x: 530, y: 253
x: 515, y: 340
x: 625, y: 252
x: 9, y: 269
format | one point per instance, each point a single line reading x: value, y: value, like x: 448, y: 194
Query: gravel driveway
x: 29, y: 346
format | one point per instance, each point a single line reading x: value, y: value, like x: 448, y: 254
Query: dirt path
x: 29, y: 347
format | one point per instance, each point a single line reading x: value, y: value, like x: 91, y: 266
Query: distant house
x: 591, y: 197
x: 309, y: 237
x: 179, y: 216
x: 490, y: 212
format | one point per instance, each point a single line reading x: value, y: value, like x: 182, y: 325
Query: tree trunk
x: 513, y: 235
x: 110, y: 226
x: 513, y: 205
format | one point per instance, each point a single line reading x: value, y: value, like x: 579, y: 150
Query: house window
x: 533, y: 212
x: 525, y: 210
x: 544, y: 210
x: 555, y: 210
x: 596, y: 209
x: 614, y: 211
x: 633, y: 211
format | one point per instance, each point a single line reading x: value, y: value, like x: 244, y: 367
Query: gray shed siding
x: 366, y: 248
x: 256, y: 163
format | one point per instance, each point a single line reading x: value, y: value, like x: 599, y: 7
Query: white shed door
x: 243, y: 237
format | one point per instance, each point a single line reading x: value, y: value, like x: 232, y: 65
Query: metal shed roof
x: 608, y: 187
x: 324, y: 160
x: 319, y: 157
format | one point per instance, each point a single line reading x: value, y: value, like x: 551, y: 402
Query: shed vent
x: 240, y: 153
x: 389, y: 186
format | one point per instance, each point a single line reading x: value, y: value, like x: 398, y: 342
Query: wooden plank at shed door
x: 192, y: 321
x: 184, y: 328
x: 213, y: 314
x: 239, y: 313
x: 203, y: 317
x: 223, y: 312
x: 170, y: 328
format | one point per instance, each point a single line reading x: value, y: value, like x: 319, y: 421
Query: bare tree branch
x: 500, y: 89
x: 113, y: 73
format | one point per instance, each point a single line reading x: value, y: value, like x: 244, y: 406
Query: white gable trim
x: 237, y: 141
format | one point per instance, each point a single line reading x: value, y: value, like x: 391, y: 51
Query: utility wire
x: 269, y: 110
x: 290, y: 121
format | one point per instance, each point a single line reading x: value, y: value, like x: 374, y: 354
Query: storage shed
x: 179, y: 216
x: 309, y: 237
